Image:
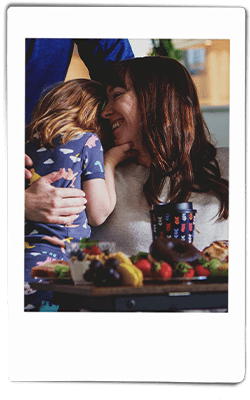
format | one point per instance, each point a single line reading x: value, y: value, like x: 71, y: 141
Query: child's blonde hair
x: 68, y: 109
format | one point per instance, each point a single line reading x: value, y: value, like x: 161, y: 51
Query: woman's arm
x: 49, y: 204
x: 100, y: 193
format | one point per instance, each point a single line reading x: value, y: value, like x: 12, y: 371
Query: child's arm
x: 100, y: 193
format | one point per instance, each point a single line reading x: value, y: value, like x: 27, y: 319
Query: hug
x: 101, y: 155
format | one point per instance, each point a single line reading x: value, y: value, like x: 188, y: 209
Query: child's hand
x: 28, y: 163
x: 120, y: 153
x: 100, y: 193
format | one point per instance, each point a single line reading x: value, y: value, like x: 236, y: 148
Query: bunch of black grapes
x: 103, y: 275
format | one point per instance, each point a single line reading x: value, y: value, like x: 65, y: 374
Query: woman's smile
x: 122, y: 111
x: 116, y: 125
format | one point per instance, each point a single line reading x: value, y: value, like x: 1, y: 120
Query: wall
x: 217, y: 120
x: 212, y: 80
x: 77, y: 68
x: 213, y: 84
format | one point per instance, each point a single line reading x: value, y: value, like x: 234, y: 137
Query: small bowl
x: 79, y: 266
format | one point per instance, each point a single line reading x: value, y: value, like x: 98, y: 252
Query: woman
x: 153, y: 102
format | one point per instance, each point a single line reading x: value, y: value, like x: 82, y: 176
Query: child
x: 62, y: 137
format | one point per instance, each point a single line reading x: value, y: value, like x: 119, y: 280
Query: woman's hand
x: 49, y: 204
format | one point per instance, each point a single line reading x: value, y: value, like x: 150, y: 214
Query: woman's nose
x: 106, y: 112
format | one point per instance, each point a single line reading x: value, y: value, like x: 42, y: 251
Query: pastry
x: 217, y: 249
x: 173, y: 251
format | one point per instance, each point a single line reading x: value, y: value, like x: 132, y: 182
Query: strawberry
x: 138, y: 256
x: 183, y: 270
x: 201, y: 270
x: 94, y: 250
x: 165, y: 271
x: 144, y: 265
x: 86, y: 251
x: 201, y: 261
x: 190, y: 273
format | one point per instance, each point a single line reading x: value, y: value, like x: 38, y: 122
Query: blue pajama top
x: 81, y: 160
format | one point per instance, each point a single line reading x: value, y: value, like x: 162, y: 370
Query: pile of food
x: 90, y: 264
x: 174, y: 258
x: 112, y: 270
x: 166, y: 259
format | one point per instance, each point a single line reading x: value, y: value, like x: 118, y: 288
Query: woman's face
x: 122, y: 111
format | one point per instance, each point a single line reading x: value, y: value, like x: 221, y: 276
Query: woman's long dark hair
x: 174, y: 132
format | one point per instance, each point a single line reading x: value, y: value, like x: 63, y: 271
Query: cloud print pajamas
x: 80, y: 159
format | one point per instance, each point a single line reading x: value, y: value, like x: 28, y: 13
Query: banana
x: 130, y: 274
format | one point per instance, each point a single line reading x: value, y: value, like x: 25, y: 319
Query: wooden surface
x: 146, y: 289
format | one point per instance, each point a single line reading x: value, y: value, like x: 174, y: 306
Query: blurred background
x: 208, y: 62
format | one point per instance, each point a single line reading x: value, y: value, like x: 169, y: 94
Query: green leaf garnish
x: 86, y: 243
x: 62, y: 271
x: 202, y: 260
x: 156, y: 266
x: 140, y: 254
x: 183, y: 267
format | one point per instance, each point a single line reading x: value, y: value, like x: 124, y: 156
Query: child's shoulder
x: 79, y: 141
x: 88, y: 140
x: 85, y: 137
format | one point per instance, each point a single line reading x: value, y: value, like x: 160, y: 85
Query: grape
x: 100, y: 277
x: 106, y: 276
x: 80, y: 255
x: 112, y: 276
x: 107, y: 272
x: 112, y: 262
x: 99, y: 280
x: 88, y: 275
x: 116, y: 276
x: 116, y: 279
x: 95, y: 264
